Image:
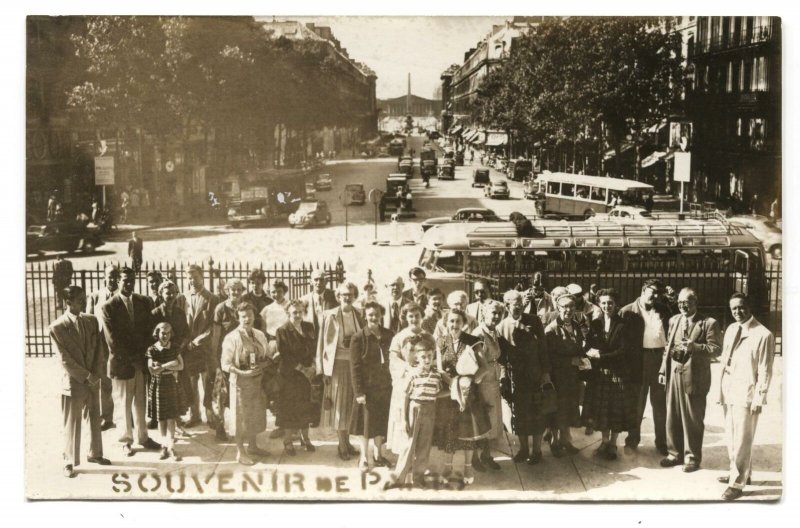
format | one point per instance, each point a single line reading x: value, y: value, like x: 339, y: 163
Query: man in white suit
x: 76, y: 338
x: 748, y: 350
x: 482, y: 292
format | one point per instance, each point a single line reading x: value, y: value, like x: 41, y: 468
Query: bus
x: 709, y: 254
x: 581, y: 195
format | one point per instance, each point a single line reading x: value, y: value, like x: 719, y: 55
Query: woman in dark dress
x: 607, y: 403
x: 169, y: 312
x: 164, y: 362
x: 462, y: 424
x: 372, y: 384
x: 567, y: 342
x: 296, y: 343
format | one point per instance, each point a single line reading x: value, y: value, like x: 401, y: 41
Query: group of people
x: 407, y: 371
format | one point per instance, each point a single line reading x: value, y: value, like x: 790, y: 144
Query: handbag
x: 467, y: 364
x: 547, y: 399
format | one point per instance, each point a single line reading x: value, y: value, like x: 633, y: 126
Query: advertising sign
x: 104, y: 170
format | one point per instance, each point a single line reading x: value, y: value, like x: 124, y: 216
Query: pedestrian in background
x: 135, y: 248
x: 62, y: 278
x: 748, y: 351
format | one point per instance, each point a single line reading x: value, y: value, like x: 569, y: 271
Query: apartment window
x: 758, y: 129
x: 746, y: 70
x: 739, y: 130
x: 729, y: 78
x: 758, y: 80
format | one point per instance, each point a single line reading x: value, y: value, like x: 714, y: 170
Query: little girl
x: 164, y: 362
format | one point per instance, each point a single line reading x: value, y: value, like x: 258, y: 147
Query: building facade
x: 412, y: 104
x: 734, y: 103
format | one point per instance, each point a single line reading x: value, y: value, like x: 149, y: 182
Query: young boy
x: 420, y: 410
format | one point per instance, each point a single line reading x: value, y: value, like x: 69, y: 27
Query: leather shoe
x: 289, y: 449
x: 691, y: 467
x: 670, y: 462
x: 610, y: 452
x: 535, y: 458
x: 732, y: 494
x: 477, y: 465
x: 570, y: 449
x: 105, y: 426
x: 726, y: 480
x: 69, y: 471
x: 520, y: 457
x: 99, y: 460
x: 152, y: 424
x: 151, y: 444
x: 127, y: 450
x: 662, y: 450
x: 489, y: 462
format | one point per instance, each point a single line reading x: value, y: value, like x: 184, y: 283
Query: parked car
x: 628, y: 214
x: 406, y: 166
x: 469, y: 214
x: 354, y: 194
x: 496, y: 189
x: 323, y: 182
x: 480, y: 177
x: 519, y: 169
x: 310, y: 213
x: 447, y: 171
x: 61, y: 236
x: 764, y: 229
x: 249, y: 212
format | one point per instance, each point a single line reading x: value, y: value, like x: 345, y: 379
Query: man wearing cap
x: 648, y: 321
x: 318, y: 300
x: 482, y: 293
x: 418, y: 292
x: 94, y: 305
x: 583, y: 308
x: 200, y: 360
x: 693, y: 339
x: 392, y: 305
x: 551, y: 315
x: 127, y: 327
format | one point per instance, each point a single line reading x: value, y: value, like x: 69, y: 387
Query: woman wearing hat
x: 566, y: 344
x: 339, y: 325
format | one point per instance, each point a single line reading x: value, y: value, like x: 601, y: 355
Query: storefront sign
x: 104, y: 170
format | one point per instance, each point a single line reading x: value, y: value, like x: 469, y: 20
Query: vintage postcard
x: 527, y: 258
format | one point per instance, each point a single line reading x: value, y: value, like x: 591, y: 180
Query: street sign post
x: 344, y: 202
x: 104, y: 173
x: 683, y: 163
x: 375, y: 196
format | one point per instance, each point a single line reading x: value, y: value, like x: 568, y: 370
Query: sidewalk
x: 209, y: 469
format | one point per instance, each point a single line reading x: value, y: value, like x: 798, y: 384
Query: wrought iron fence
x: 42, y: 305
x: 713, y: 287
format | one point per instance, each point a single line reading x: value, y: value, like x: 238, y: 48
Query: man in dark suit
x: 318, y: 300
x: 126, y: 322
x: 135, y: 249
x: 648, y: 321
x: 76, y: 338
x: 692, y: 341
x: 62, y: 277
x: 96, y: 301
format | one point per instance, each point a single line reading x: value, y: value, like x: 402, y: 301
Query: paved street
x: 209, y: 466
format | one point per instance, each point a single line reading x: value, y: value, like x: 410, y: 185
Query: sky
x: 396, y: 46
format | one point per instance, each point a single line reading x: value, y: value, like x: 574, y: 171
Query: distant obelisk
x: 408, y: 95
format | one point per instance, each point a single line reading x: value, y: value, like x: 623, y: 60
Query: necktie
x: 394, y: 317
x: 685, y: 329
x: 129, y: 306
x: 79, y: 330
x: 314, y: 309
x: 736, y: 340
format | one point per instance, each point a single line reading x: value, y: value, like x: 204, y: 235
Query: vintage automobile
x: 406, y: 166
x: 496, y: 189
x: 354, y: 194
x: 519, y: 169
x: 764, y: 229
x: 310, y: 213
x: 460, y: 158
x: 468, y: 214
x: 254, y: 211
x: 323, y: 182
x: 447, y: 171
x: 394, y: 182
x: 311, y: 189
x: 61, y: 236
x: 480, y: 177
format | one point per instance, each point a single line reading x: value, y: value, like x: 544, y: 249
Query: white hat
x: 574, y: 289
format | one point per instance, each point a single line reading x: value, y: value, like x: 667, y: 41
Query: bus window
x: 599, y: 194
x: 582, y: 192
x: 553, y: 187
x: 426, y: 260
x: 450, y: 261
x: 567, y: 189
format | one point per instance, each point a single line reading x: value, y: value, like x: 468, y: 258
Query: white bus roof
x: 615, y: 184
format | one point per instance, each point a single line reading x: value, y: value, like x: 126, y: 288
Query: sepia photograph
x: 403, y: 258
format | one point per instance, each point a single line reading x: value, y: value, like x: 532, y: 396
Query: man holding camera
x: 692, y: 340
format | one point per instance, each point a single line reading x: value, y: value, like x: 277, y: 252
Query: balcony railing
x: 762, y: 33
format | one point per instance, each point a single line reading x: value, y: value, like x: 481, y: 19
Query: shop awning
x: 496, y: 139
x: 472, y: 136
x: 658, y: 126
x: 467, y: 132
x: 610, y: 153
x: 454, y: 129
x: 653, y: 158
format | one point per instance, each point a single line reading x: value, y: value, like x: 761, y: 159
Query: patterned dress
x: 163, y: 395
x: 457, y: 429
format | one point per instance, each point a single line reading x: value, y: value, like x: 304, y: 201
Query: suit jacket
x: 617, y: 353
x: 746, y: 380
x: 127, y: 343
x: 80, y: 354
x: 422, y: 300
x: 704, y: 332
x: 631, y: 314
x: 93, y: 307
x: 200, y: 319
x: 328, y: 340
x: 525, y: 348
x: 328, y: 303
x: 135, y: 247
x: 386, y: 303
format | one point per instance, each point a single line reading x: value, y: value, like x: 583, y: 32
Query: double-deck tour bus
x: 710, y: 255
x: 581, y: 195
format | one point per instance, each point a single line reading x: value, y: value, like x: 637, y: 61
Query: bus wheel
x: 587, y: 214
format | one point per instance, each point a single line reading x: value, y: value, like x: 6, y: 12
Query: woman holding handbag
x: 372, y: 385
